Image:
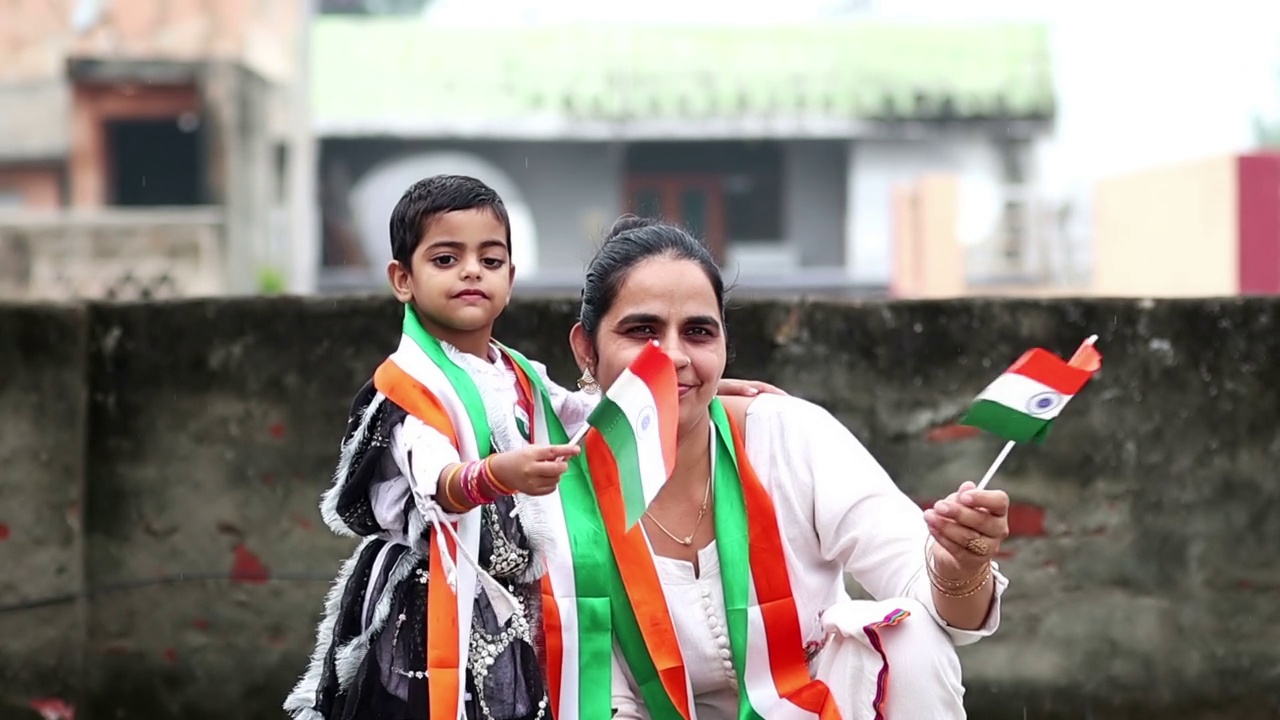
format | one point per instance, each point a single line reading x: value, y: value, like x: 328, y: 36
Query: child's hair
x: 434, y: 196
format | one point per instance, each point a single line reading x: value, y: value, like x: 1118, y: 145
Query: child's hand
x: 533, y: 470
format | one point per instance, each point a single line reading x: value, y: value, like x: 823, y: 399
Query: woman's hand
x: 967, y: 527
x: 749, y: 388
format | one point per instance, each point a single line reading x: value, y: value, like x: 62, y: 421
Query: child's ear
x: 400, y: 280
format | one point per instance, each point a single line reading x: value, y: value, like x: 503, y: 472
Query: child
x: 437, y: 613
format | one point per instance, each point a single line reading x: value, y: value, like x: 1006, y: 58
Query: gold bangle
x: 977, y: 580
x: 952, y: 593
x: 448, y: 482
x: 493, y: 479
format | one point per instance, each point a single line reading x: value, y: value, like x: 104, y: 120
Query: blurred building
x: 782, y: 145
x: 143, y: 145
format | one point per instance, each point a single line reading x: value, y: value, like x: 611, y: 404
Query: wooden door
x: 695, y: 202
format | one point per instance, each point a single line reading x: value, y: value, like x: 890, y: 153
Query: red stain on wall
x: 1026, y: 520
x: 950, y: 433
x: 276, y: 430
x: 53, y: 708
x: 4, y: 531
x: 248, y: 567
x: 171, y: 656
x: 201, y: 623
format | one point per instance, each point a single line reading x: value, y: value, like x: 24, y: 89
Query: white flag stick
x: 991, y: 471
x: 577, y: 437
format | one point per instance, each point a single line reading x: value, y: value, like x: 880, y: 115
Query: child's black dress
x: 370, y: 656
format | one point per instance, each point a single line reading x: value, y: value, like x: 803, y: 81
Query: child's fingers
x: 555, y: 452
x: 548, y: 468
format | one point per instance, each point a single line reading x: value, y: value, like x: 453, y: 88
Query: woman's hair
x: 631, y: 241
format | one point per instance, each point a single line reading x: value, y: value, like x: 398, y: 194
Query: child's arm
x: 423, y: 454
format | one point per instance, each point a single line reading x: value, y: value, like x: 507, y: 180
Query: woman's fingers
x: 983, y: 523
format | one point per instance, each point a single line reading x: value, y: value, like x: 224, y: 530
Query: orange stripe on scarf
x: 553, y: 634
x: 444, y: 667
x: 774, y: 596
x: 639, y: 575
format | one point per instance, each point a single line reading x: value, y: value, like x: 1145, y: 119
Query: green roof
x: 403, y: 76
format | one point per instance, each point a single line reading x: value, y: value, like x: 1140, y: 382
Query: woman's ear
x: 583, y: 353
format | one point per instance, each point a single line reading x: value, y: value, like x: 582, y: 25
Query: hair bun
x: 627, y: 223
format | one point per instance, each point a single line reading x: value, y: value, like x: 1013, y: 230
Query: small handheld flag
x: 638, y: 418
x: 1022, y: 404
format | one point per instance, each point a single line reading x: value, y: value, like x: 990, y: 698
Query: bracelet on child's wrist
x: 448, y: 489
x: 472, y: 484
x: 492, y: 480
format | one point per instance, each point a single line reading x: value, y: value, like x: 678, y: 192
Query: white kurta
x: 839, y: 512
x: 421, y: 452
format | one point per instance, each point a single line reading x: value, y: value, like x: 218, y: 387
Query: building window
x: 723, y: 192
x: 155, y: 162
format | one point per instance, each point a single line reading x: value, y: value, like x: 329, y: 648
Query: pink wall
x: 1259, y: 223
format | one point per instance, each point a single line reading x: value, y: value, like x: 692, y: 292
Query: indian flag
x: 1023, y: 402
x: 637, y: 419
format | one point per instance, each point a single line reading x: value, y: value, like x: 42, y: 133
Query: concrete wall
x: 163, y: 556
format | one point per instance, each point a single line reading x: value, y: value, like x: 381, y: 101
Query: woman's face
x: 670, y: 301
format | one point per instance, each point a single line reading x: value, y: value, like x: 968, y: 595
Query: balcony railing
x: 112, y: 254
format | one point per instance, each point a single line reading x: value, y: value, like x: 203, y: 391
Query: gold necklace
x: 702, y: 512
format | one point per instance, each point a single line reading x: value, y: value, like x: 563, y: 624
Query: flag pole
x: 577, y: 437
x: 1008, y: 447
x: 991, y: 471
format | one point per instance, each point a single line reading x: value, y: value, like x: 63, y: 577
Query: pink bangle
x: 471, y: 484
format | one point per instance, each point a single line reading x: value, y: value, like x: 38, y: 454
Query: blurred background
x: 161, y: 554
x: 915, y: 148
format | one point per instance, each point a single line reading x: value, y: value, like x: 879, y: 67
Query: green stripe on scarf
x: 594, y: 569
x: 458, y: 378
x: 733, y: 548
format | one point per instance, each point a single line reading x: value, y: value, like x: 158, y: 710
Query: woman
x: 730, y: 589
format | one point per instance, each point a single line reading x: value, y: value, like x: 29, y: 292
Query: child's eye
x: 443, y: 260
x: 493, y: 263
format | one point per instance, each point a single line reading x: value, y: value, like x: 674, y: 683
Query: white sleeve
x: 573, y: 408
x: 422, y: 453
x: 863, y: 521
x: 625, y: 706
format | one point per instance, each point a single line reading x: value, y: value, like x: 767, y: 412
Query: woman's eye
x: 641, y: 330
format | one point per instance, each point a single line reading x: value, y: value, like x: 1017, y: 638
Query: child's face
x: 461, y: 274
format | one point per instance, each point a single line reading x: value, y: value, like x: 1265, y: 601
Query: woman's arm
x: 861, y: 518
